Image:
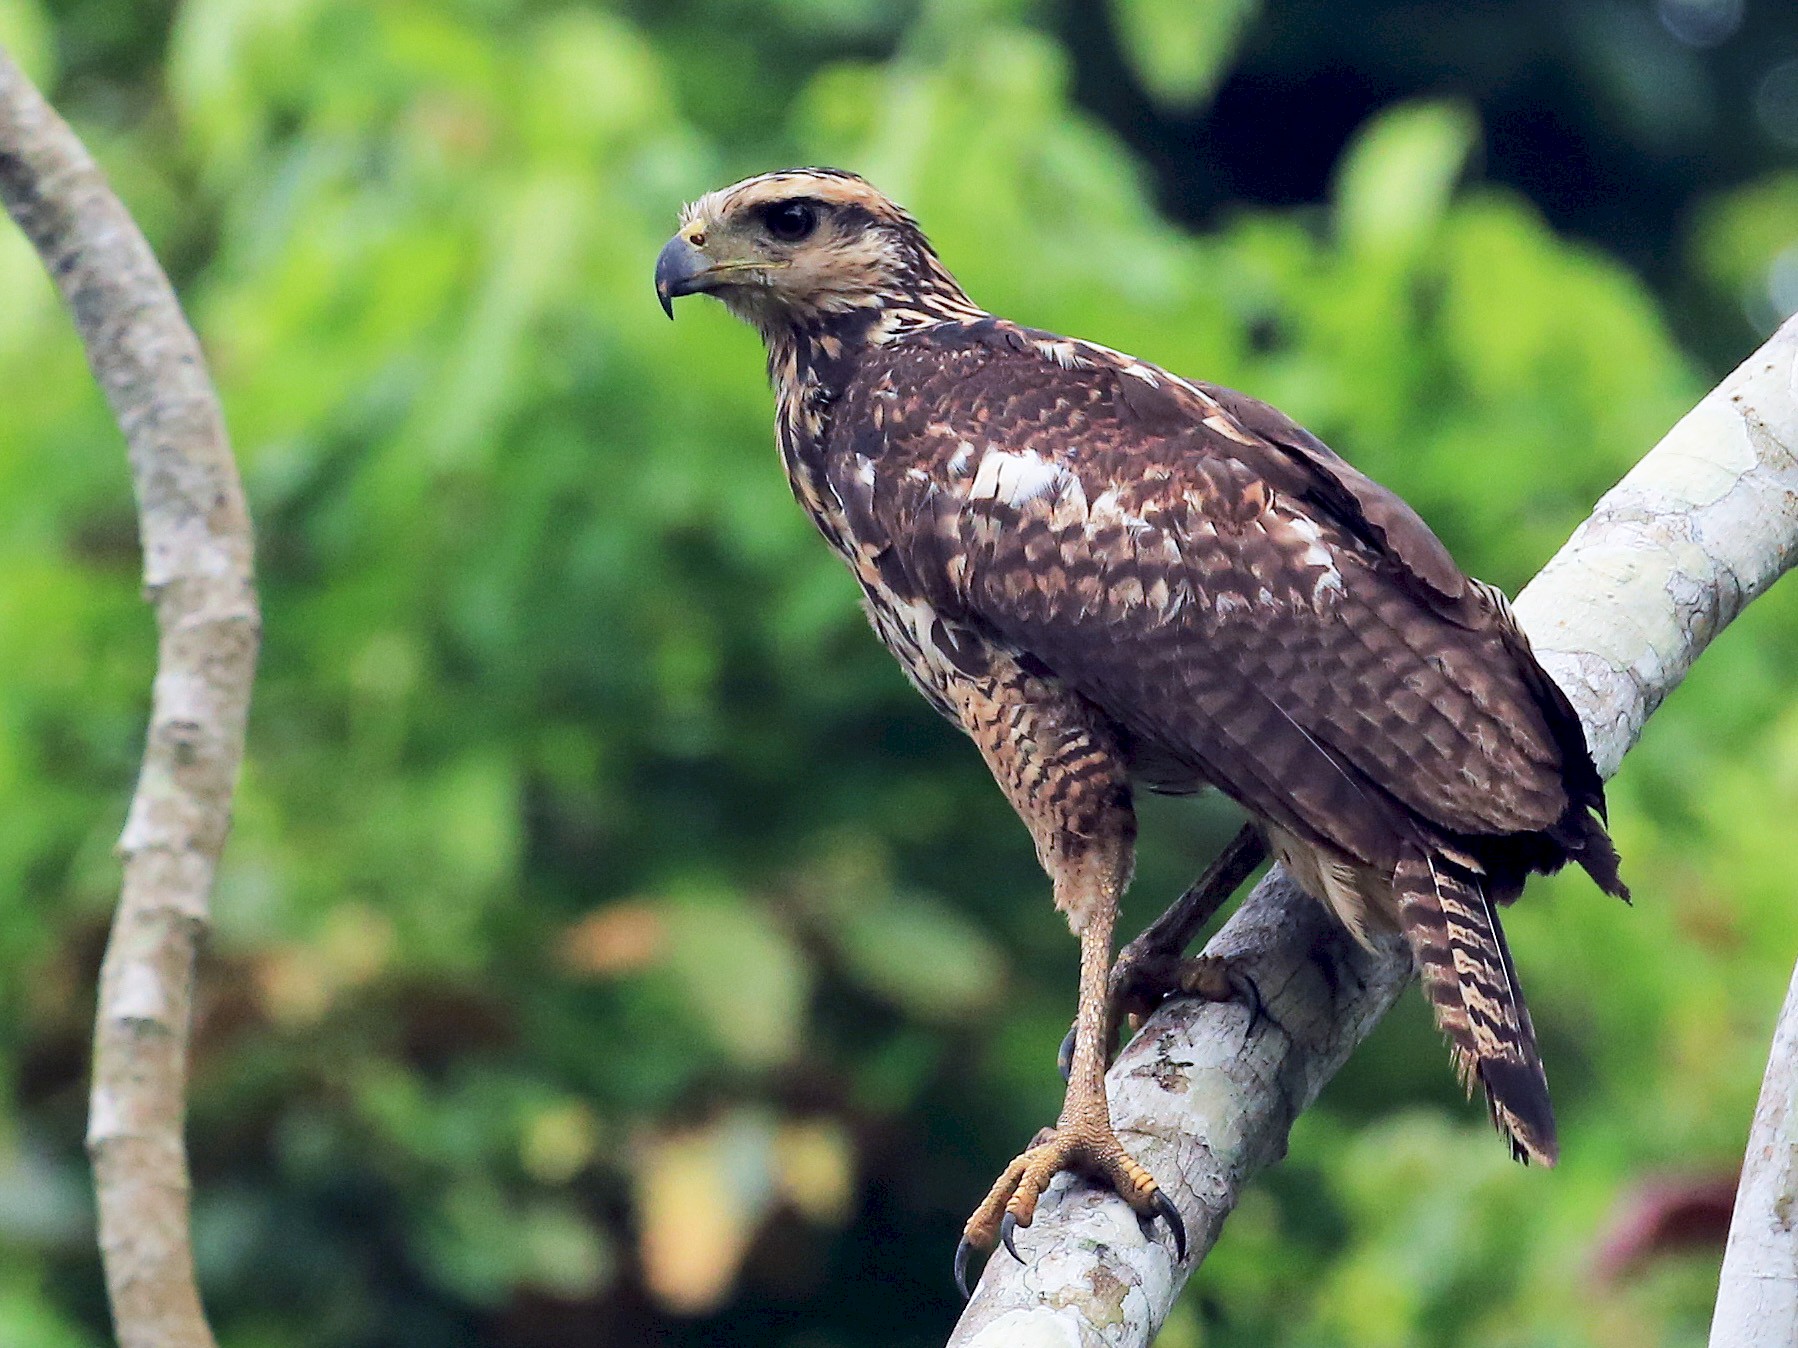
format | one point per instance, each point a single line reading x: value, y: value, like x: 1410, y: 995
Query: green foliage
x: 610, y: 943
x: 1180, y: 51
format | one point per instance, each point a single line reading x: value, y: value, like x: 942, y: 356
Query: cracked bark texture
x: 195, y: 531
x: 1702, y: 525
x: 1757, y: 1296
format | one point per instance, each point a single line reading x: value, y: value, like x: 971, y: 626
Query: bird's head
x: 798, y: 248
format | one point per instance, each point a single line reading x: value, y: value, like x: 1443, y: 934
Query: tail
x: 1460, y: 953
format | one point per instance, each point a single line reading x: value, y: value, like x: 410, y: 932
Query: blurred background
x: 612, y: 949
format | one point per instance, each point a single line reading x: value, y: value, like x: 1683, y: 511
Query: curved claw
x: 1008, y: 1231
x: 962, y: 1251
x: 1165, y: 1209
x: 1244, y: 986
x: 1064, y: 1056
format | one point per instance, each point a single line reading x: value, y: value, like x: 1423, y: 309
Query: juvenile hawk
x: 1107, y: 575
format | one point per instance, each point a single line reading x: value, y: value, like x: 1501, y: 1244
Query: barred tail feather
x: 1472, y: 987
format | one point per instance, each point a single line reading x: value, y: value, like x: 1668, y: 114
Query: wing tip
x: 1597, y: 856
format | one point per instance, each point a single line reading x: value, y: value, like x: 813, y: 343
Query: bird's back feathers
x: 1195, y: 583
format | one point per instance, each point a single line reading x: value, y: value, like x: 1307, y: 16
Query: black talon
x: 1164, y: 1208
x: 1064, y: 1056
x: 1008, y: 1230
x: 1244, y: 987
x: 962, y: 1251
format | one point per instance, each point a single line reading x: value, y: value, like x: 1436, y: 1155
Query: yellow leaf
x: 814, y: 1163
x: 616, y: 939
x: 701, y: 1196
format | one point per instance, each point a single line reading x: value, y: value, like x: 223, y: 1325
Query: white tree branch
x: 1757, y: 1296
x: 1706, y: 522
x: 197, y: 572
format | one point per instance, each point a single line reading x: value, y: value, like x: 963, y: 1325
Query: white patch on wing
x: 1191, y: 513
x: 1017, y: 479
x: 1224, y: 425
x: 1070, y: 505
x: 1316, y: 556
x: 1196, y: 391
x: 958, y: 465
x: 1106, y: 510
x: 1063, y: 352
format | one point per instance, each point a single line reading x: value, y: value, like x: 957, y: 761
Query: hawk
x: 1112, y: 577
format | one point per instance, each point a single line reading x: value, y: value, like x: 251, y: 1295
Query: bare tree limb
x: 1757, y: 1296
x: 1701, y: 526
x: 197, y: 545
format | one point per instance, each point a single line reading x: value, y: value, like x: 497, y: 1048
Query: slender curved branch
x: 198, y: 575
x: 1704, y: 524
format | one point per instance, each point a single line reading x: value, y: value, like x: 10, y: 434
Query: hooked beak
x: 680, y: 270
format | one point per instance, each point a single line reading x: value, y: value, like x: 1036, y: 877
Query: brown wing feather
x: 1257, y: 611
x: 1376, y: 514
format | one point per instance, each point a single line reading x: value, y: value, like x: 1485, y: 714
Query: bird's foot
x: 1145, y: 976
x: 1084, y: 1143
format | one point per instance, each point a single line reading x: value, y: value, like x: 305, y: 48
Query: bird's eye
x: 791, y: 221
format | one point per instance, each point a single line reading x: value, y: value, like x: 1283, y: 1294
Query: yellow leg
x: 1061, y: 767
x: 1082, y: 1139
x: 1154, y: 967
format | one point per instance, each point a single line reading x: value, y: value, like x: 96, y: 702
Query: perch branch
x: 1757, y: 1296
x: 197, y: 546
x: 1702, y: 525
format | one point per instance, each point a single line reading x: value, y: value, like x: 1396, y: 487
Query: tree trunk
x: 1757, y: 1297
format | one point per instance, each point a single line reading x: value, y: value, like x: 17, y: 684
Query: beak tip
x: 680, y: 270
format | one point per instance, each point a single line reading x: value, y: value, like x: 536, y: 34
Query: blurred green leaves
x: 740, y: 975
x: 1393, y: 186
x: 610, y: 943
x: 25, y: 34
x: 1180, y: 51
x: 923, y: 957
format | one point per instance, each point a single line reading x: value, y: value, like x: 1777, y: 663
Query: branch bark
x: 1757, y: 1296
x: 195, y: 530
x: 1701, y: 526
